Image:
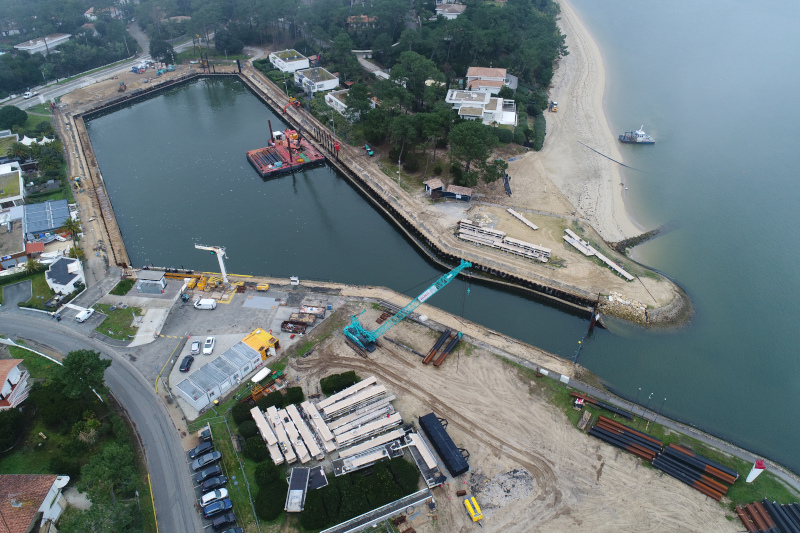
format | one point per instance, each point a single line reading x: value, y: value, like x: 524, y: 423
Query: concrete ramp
x: 151, y: 323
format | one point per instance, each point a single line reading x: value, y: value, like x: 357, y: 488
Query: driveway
x: 18, y: 292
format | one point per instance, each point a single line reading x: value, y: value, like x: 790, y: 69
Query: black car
x: 186, y: 364
x: 207, y: 473
x: 205, y: 435
x: 233, y: 530
x: 224, y: 520
x: 200, y: 450
x: 205, y: 460
x: 213, y: 483
x: 217, y: 507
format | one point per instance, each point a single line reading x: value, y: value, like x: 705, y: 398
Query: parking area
x: 18, y: 292
x: 216, y: 478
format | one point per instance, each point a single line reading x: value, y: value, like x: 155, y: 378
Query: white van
x: 205, y: 303
x: 84, y: 315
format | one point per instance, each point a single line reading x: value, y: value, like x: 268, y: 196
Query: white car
x: 208, y: 346
x: 195, y: 347
x: 84, y: 315
x: 30, y: 94
x: 213, y: 496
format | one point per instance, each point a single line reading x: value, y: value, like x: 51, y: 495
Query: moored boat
x: 636, y: 137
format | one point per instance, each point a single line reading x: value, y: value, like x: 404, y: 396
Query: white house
x: 479, y: 105
x: 43, y: 45
x: 288, y: 60
x: 90, y: 15
x: 31, y: 502
x: 450, y: 11
x: 12, y: 186
x: 315, y: 79
x: 14, y: 385
x: 336, y: 100
x: 489, y: 80
x: 63, y: 274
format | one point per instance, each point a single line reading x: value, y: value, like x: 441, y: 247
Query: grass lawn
x: 33, y: 120
x: 9, y: 185
x: 33, y: 455
x: 39, y: 108
x: 766, y: 486
x: 5, y: 144
x: 41, y: 292
x: 117, y: 324
x: 122, y: 288
x: 38, y: 366
x: 55, y: 195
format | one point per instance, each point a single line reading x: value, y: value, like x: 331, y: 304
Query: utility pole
x: 645, y: 409
x: 659, y: 411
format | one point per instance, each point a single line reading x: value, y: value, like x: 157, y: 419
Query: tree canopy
x: 109, y: 474
x: 471, y: 142
x: 11, y: 116
x: 82, y: 372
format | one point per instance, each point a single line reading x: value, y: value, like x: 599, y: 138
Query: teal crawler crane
x: 365, y: 339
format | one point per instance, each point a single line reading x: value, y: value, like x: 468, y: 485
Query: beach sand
x: 590, y: 183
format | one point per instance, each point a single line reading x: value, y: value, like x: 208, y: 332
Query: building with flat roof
x: 481, y: 105
x: 31, y: 502
x: 48, y: 216
x: 288, y: 60
x: 212, y: 380
x: 12, y: 187
x: 43, y: 45
x: 298, y: 485
x: 315, y: 79
x: 151, y: 282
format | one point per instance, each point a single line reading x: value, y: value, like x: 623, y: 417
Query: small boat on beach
x: 636, y: 137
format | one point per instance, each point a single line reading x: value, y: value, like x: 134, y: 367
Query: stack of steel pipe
x: 728, y: 475
x: 602, y: 405
x: 755, y: 518
x: 432, y: 353
x: 636, y: 442
x: 447, y: 349
x: 786, y: 517
x: 688, y: 475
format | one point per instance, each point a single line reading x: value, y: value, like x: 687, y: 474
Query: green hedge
x: 504, y: 136
x: 270, y: 499
x: 241, y: 413
x: 248, y: 429
x: 354, y: 494
x: 334, y: 383
x: 539, y: 130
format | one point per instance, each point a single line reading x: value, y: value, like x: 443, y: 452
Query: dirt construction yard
x: 531, y: 470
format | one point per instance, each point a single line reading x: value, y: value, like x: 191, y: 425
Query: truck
x: 553, y: 107
x: 205, y: 303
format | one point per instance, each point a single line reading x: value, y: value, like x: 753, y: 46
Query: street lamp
x: 334, y: 127
x: 645, y: 409
x: 659, y: 411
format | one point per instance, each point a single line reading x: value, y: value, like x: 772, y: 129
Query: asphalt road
x: 173, y: 491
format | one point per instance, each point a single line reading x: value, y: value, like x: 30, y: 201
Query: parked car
x: 224, y: 520
x: 30, y: 94
x: 205, y: 435
x: 186, y: 364
x: 197, y: 451
x: 233, y: 530
x: 213, y: 496
x: 217, y: 507
x: 207, y: 473
x: 213, y: 483
x: 84, y: 315
x: 205, y: 460
x: 208, y: 346
x: 195, y: 347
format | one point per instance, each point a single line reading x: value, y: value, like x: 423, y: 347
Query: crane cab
x: 473, y: 509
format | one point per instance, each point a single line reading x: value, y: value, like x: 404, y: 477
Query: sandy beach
x: 590, y: 183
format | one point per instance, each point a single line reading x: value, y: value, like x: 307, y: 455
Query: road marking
x: 169, y: 337
x: 165, y: 364
x: 152, y: 501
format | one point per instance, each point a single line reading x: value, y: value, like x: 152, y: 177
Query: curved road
x: 173, y: 492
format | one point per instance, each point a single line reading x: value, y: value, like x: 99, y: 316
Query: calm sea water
x: 716, y: 83
x: 175, y: 169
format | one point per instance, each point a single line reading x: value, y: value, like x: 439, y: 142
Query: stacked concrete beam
x: 346, y: 419
x: 367, y: 430
x: 349, y: 391
x: 320, y: 428
x: 280, y: 433
x: 372, y: 443
x: 353, y: 402
x: 268, y: 436
x: 294, y: 437
x: 305, y: 433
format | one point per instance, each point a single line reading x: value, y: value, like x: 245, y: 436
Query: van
x: 84, y: 315
x: 205, y: 303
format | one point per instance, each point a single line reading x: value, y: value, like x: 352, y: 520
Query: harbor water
x: 176, y: 172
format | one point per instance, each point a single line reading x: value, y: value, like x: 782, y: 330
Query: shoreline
x: 591, y: 183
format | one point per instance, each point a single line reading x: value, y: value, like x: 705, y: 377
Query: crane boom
x: 363, y: 337
x: 220, y: 252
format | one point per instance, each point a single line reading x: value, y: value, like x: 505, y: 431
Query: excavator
x: 364, y: 338
x: 292, y: 102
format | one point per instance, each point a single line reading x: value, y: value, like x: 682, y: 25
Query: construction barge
x: 288, y: 151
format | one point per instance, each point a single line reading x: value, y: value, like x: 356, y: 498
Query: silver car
x: 195, y: 347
